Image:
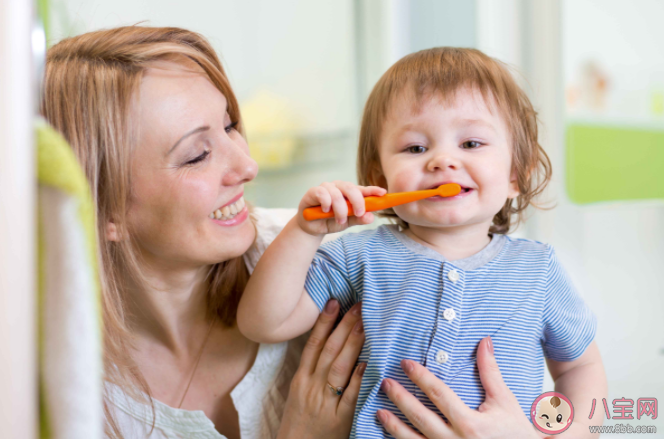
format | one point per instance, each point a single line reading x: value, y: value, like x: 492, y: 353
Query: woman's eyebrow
x: 190, y: 133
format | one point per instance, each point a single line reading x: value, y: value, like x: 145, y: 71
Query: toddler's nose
x: 442, y: 162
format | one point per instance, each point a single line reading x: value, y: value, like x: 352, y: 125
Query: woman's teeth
x: 228, y: 212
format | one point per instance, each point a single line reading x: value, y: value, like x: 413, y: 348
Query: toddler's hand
x: 331, y: 196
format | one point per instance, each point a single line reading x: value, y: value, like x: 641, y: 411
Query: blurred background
x: 302, y: 70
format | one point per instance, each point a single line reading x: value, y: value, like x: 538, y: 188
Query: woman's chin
x: 234, y: 244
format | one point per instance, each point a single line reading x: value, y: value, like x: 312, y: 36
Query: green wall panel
x: 607, y: 163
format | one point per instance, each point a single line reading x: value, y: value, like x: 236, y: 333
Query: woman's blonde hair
x: 443, y: 71
x: 90, y: 82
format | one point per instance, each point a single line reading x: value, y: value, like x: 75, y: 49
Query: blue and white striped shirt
x: 418, y: 305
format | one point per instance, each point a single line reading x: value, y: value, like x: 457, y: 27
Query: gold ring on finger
x: 336, y: 391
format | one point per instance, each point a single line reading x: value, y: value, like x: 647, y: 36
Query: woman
x: 156, y: 127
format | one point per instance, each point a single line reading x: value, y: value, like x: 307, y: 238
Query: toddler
x: 445, y: 275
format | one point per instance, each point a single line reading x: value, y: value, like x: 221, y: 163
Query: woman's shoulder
x: 268, y: 223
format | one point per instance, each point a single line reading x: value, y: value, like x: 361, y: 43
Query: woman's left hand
x: 499, y: 416
x: 312, y: 410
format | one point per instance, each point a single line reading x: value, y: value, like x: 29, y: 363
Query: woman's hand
x: 313, y: 410
x: 499, y: 416
x: 333, y: 196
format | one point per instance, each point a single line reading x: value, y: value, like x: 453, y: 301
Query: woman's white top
x: 259, y: 398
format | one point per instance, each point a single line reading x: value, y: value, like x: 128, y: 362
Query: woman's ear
x: 112, y: 232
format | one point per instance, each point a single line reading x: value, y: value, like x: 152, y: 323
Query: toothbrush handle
x: 373, y: 204
x: 316, y: 213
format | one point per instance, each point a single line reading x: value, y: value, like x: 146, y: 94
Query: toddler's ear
x: 513, y: 191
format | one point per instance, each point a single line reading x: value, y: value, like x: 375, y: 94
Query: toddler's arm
x: 581, y: 380
x: 569, y: 326
x: 274, y: 306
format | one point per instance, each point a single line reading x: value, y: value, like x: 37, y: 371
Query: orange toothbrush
x: 373, y: 204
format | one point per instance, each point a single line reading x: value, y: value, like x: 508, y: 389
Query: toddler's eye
x: 230, y: 127
x: 559, y: 418
x: 471, y: 144
x: 416, y: 149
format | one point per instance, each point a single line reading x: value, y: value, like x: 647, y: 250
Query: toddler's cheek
x: 494, y: 199
x: 410, y: 213
x: 402, y: 212
x: 402, y: 182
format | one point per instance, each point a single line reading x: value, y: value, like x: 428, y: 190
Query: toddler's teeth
x: 217, y: 214
x: 240, y: 204
x: 225, y: 211
x: 212, y: 215
x: 233, y: 209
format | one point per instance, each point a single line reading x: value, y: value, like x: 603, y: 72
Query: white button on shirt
x: 453, y: 275
x: 442, y: 357
x: 449, y: 314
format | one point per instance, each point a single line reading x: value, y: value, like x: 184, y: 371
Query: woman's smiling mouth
x: 230, y: 214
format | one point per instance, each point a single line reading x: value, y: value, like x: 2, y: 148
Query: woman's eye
x: 198, y: 159
x: 416, y: 149
x: 230, y: 127
x: 559, y: 418
x: 471, y: 144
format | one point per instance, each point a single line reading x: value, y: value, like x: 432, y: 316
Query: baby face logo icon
x: 552, y: 413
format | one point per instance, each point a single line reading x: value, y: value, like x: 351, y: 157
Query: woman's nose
x: 443, y: 161
x: 242, y: 170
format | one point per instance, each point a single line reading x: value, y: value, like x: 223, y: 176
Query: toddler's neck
x: 453, y: 243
